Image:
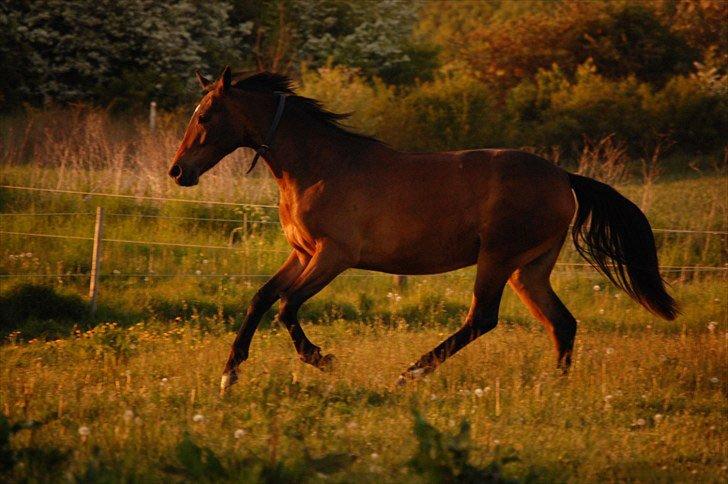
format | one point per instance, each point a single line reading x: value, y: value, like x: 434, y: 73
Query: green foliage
x: 556, y: 110
x: 455, y: 111
x: 442, y: 457
x: 132, y: 52
x: 374, y: 37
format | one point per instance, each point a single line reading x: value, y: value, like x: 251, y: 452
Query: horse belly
x: 424, y: 255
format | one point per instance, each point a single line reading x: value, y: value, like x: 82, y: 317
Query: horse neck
x: 305, y: 152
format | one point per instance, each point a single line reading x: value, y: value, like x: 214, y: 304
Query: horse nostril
x: 175, y: 171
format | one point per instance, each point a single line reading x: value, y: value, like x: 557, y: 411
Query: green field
x: 132, y: 395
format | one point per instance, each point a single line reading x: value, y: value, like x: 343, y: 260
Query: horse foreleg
x: 324, y: 266
x: 482, y: 317
x: 268, y: 294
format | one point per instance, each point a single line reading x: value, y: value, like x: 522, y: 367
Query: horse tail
x: 613, y: 234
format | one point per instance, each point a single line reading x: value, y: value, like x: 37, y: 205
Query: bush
x: 455, y: 111
x: 344, y: 90
x: 692, y: 115
x: 556, y: 110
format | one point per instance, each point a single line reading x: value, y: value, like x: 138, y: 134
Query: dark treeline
x: 423, y: 75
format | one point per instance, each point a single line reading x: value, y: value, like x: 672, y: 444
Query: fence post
x: 400, y: 281
x: 93, y: 290
x: 152, y: 116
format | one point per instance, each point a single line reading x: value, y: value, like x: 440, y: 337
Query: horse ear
x: 204, y: 82
x: 226, y: 78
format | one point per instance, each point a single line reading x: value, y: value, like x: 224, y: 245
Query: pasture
x: 133, y: 393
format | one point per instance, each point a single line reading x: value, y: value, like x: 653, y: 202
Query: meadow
x: 132, y: 393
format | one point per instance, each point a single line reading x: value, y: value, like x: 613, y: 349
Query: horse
x: 351, y: 201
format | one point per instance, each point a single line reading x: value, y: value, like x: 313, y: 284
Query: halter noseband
x: 263, y: 149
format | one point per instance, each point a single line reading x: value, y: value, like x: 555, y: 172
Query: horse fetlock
x: 315, y: 358
x: 229, y: 378
x: 415, y: 372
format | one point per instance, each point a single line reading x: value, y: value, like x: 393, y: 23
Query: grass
x: 647, y: 407
x: 115, y: 397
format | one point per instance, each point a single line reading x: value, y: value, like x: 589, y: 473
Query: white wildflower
x: 478, y: 392
x: 239, y: 433
x: 198, y: 418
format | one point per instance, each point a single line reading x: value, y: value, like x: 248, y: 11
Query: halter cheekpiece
x: 263, y: 149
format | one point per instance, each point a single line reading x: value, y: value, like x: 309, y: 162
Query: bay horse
x: 350, y: 201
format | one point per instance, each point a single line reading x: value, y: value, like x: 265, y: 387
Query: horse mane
x: 273, y: 82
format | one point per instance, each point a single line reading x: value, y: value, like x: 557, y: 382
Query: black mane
x: 272, y: 82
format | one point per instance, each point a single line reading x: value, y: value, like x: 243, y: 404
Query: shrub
x: 692, y: 115
x: 455, y: 111
x: 344, y: 90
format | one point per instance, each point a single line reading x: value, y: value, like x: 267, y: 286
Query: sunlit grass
x: 643, y: 406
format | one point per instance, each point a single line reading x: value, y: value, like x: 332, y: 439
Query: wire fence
x: 136, y: 197
x: 582, y: 267
x: 274, y: 222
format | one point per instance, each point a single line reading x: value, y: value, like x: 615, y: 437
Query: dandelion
x: 198, y: 272
x: 608, y: 398
x: 712, y: 325
x: 601, y: 311
x: 714, y: 380
x: 165, y: 380
x: 239, y: 433
x: 128, y: 415
x: 658, y: 418
x: 116, y: 271
x: 478, y: 392
x: 640, y: 422
x: 205, y: 261
x: 486, y: 389
x: 433, y: 397
x: 374, y: 456
x: 28, y: 254
x: 496, y: 442
x: 198, y: 418
x: 84, y: 432
x: 597, y: 288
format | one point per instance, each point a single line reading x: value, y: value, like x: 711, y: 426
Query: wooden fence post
x: 93, y: 290
x: 152, y: 116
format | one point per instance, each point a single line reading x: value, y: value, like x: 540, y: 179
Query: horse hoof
x: 326, y: 363
x: 409, y: 375
x: 228, y: 380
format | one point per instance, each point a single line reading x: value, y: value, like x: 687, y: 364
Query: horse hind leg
x: 482, y: 317
x: 531, y: 283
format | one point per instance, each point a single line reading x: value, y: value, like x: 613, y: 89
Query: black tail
x: 614, y: 235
